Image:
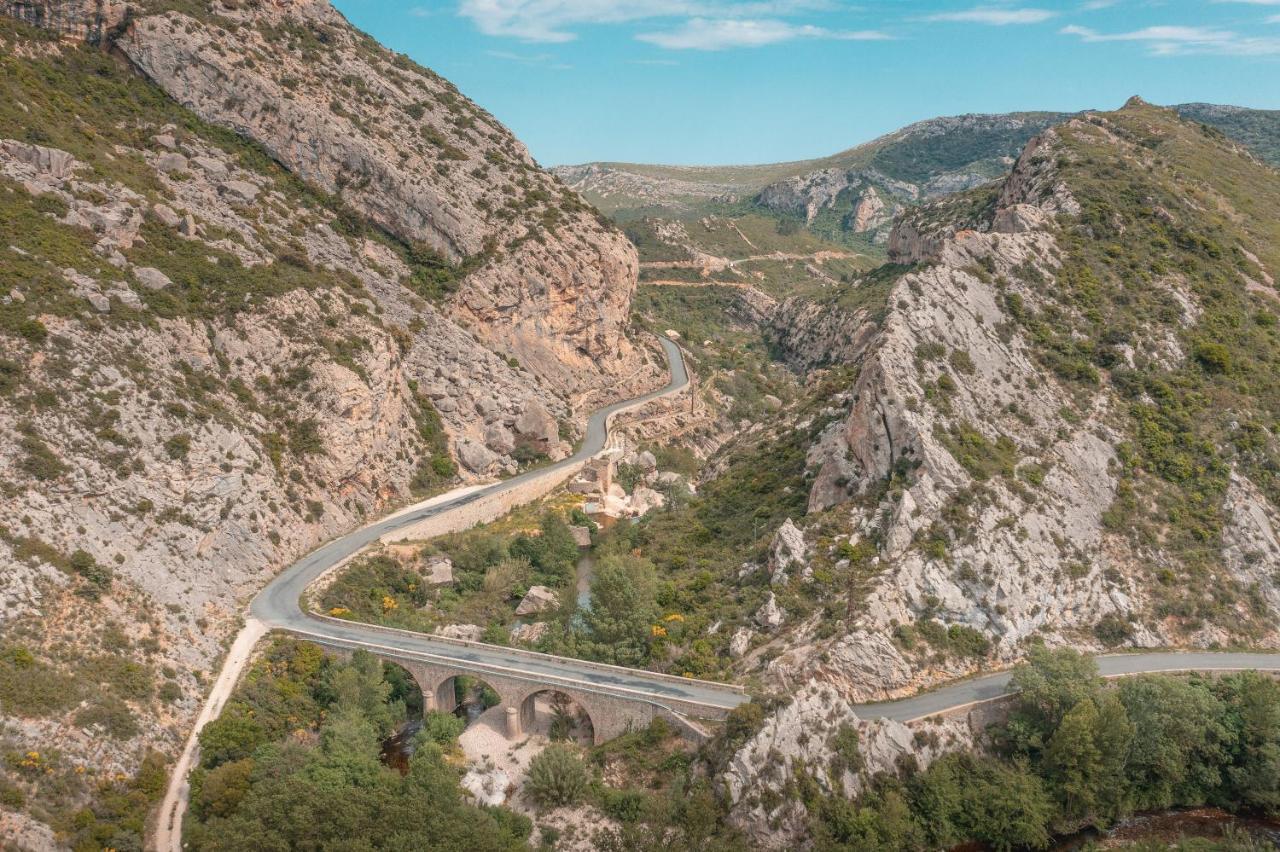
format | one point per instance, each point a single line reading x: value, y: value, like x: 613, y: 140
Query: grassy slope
x: 1166, y: 200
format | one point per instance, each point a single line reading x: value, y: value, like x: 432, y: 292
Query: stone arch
x: 459, y: 690
x: 555, y: 712
x: 406, y: 685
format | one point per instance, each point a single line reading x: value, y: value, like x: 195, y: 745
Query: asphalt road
x: 278, y: 605
x: 992, y: 686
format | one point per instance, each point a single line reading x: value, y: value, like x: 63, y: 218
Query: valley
x: 367, y: 485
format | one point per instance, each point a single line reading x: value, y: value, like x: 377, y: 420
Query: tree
x: 1052, y: 682
x: 231, y: 736
x: 1180, y: 743
x: 623, y: 607
x: 556, y: 777
x: 1253, y: 712
x: 1085, y: 759
x: 360, y: 686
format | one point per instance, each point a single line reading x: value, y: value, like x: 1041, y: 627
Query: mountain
x: 1059, y: 427
x: 261, y: 280
x: 851, y: 197
x: 1258, y: 129
x: 854, y: 191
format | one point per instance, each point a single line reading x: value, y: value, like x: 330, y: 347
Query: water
x: 585, y: 572
x: 397, y: 749
x: 1169, y: 826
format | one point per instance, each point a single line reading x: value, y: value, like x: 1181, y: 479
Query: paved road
x: 278, y: 604
x: 989, y: 687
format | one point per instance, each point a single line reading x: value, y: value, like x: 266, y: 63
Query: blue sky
x: 751, y: 81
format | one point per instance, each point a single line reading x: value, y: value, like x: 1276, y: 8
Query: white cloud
x: 554, y: 20
x: 719, y: 34
x: 1166, y: 40
x: 995, y: 15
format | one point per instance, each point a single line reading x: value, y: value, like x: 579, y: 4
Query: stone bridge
x: 612, y: 710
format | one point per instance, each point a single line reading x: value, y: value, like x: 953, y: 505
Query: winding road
x: 278, y: 607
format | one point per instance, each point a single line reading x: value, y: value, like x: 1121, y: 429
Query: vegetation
x: 1075, y: 753
x: 556, y: 777
x: 293, y: 762
x: 493, y: 566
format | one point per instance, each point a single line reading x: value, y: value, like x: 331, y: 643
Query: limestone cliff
x: 219, y: 349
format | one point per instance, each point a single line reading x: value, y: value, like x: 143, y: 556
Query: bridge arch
x: 556, y: 714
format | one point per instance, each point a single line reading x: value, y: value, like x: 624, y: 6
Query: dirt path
x: 168, y: 837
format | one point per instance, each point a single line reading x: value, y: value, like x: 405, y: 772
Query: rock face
x: 229, y: 371
x: 788, y: 553
x: 551, y: 285
x: 80, y: 20
x: 808, y: 732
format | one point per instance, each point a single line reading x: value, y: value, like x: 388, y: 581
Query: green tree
x: 557, y: 776
x: 360, y: 685
x: 1253, y: 713
x: 623, y: 608
x: 231, y: 736
x: 1084, y: 760
x: 1180, y: 743
x: 1051, y: 682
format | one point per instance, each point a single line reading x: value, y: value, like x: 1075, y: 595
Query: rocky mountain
x: 855, y: 191
x: 855, y: 194
x: 1061, y: 429
x: 261, y: 278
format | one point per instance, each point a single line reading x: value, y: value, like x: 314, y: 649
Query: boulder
x: 151, y: 278
x: 537, y: 599
x: 536, y: 424
x: 240, y: 191
x: 171, y: 161
x: 166, y: 214
x: 741, y: 642
x: 788, y: 549
x: 52, y: 162
x: 499, y: 438
x: 165, y: 140
x: 476, y: 457
x: 438, y: 571
x: 529, y: 633
x: 581, y: 535
x: 465, y: 632
x: 213, y: 168
x: 646, y: 461
x: 645, y: 499
x: 770, y: 616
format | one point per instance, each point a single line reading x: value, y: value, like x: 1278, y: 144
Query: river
x: 1169, y: 826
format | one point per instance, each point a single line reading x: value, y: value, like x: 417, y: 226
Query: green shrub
x: 557, y: 777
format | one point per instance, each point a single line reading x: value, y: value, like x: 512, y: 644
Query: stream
x: 1169, y: 826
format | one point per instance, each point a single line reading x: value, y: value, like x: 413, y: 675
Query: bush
x: 441, y: 728
x: 557, y: 777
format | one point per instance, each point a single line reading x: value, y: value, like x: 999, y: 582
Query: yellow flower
x: 339, y: 611
x: 659, y: 630
x: 389, y: 603
x: 675, y: 616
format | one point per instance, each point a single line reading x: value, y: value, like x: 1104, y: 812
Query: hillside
x: 850, y: 198
x: 1061, y: 430
x: 232, y: 327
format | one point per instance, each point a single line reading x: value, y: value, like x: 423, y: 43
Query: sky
x: 758, y: 81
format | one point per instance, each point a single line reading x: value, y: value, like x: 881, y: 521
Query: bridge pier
x: 514, y: 729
